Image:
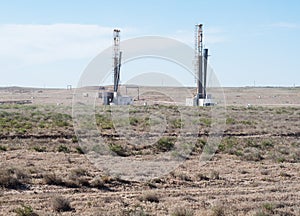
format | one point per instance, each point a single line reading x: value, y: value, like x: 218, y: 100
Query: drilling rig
x: 115, y: 98
x: 201, y: 58
x: 116, y: 60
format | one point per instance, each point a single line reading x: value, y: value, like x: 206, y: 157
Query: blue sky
x: 50, y: 42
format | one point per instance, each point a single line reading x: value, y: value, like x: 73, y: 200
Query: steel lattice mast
x: 116, y: 59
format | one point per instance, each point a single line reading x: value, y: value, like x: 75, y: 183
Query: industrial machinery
x: 201, y: 58
x: 114, y: 98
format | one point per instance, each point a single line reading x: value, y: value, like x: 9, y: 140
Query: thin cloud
x: 28, y: 44
x: 287, y: 25
x: 37, y: 44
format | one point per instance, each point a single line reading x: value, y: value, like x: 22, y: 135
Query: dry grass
x: 98, y: 183
x: 25, y: 210
x: 61, y: 204
x: 256, y: 165
x: 149, y: 197
x: 218, y: 211
x: 13, y: 178
x: 52, y: 179
x: 182, y: 211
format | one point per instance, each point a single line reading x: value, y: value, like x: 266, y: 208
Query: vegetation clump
x: 165, y: 144
x: 25, y: 210
x: 61, y: 204
x: 63, y: 148
x: 13, y: 178
x: 182, y: 211
x: 149, y: 197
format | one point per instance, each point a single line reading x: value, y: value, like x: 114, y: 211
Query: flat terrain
x: 256, y: 169
x: 261, y: 96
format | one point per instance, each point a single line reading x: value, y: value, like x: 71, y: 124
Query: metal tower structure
x: 114, y: 97
x: 200, y: 63
x: 205, y: 59
x: 117, y: 54
x: 199, y: 60
x: 201, y: 57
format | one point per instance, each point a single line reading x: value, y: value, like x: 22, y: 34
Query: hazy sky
x: 50, y: 42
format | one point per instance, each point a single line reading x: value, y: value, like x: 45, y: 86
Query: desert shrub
x: 42, y: 125
x: 133, y: 121
x: 3, y: 148
x: 157, y: 180
x: 107, y: 179
x: 200, y: 143
x: 202, y: 176
x: 265, y: 172
x: 261, y: 213
x: 277, y: 157
x: 149, y: 197
x: 21, y: 131
x: 247, y: 122
x: 252, y: 143
x: 284, y: 150
x: 39, y: 149
x: 60, y: 119
x: 13, y: 178
x: 77, y: 178
x: 165, y: 144
x: 150, y: 184
x: 72, y: 182
x: 74, y: 139
x: 79, y: 172
x: 266, y: 210
x: 252, y: 154
x: 60, y: 204
x: 104, y: 122
x: 183, y: 177
x: 79, y: 150
x: 118, y: 149
x: 215, y: 175
x: 296, y: 156
x: 63, y: 148
x: 228, y: 145
x: 230, y: 120
x: 20, y: 174
x: 69, y: 183
x: 206, y: 121
x: 25, y: 211
x: 28, y: 107
x: 137, y: 211
x: 61, y: 123
x: 176, y: 123
x: 244, y: 171
x: 99, y: 184
x: 218, y: 211
x: 52, y: 179
x: 7, y: 180
x: 268, y: 206
x: 284, y: 174
x: 281, y: 110
x: 280, y: 159
x: 182, y: 211
x: 238, y: 153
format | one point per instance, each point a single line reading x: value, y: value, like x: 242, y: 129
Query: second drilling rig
x: 115, y: 98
